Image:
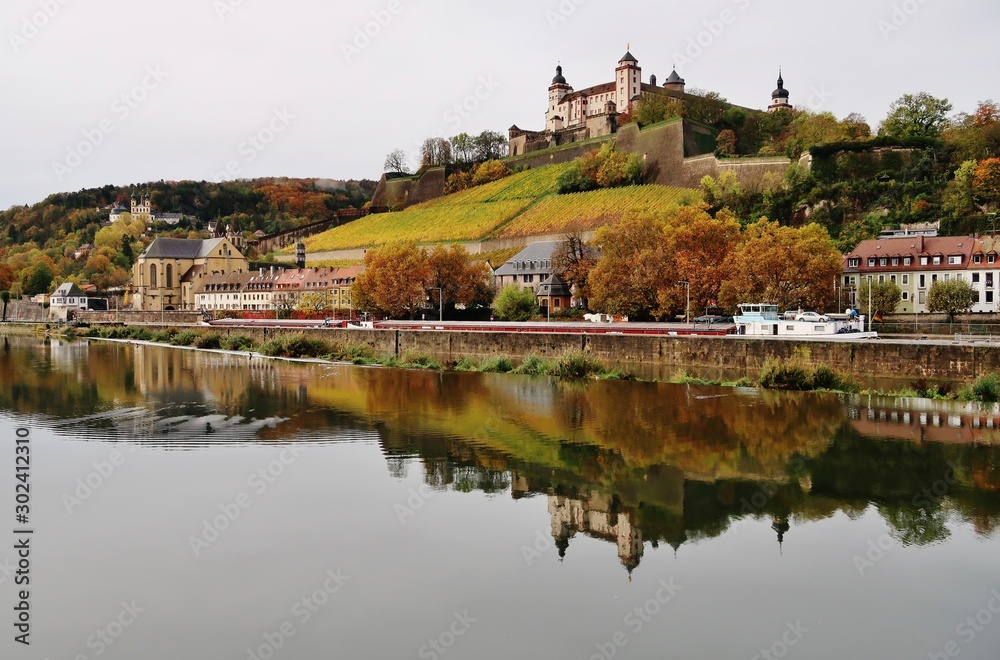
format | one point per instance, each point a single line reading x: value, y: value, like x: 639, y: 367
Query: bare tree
x: 396, y: 162
x: 573, y: 261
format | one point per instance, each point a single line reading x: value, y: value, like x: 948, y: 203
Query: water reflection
x: 633, y: 464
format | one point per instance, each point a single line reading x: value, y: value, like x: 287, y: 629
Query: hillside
x: 523, y: 204
x: 41, y: 243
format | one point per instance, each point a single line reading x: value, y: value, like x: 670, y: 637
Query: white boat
x: 763, y: 320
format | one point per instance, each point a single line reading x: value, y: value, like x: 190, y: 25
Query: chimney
x: 300, y: 255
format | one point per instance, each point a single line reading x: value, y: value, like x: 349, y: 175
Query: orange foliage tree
x: 986, y: 180
x: 462, y: 280
x: 394, y: 282
x: 783, y: 265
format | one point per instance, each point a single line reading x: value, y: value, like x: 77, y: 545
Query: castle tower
x: 628, y: 81
x: 779, y: 98
x: 674, y: 82
x: 555, y: 115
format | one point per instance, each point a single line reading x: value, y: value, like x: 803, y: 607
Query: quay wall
x: 868, y: 359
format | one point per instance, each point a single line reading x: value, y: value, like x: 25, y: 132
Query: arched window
x: 152, y: 275
x: 170, y: 276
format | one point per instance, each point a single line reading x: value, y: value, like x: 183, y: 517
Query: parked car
x: 812, y: 316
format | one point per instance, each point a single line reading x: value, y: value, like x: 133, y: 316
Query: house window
x: 892, y: 278
x: 991, y: 258
x: 871, y: 262
x: 933, y: 278
x: 882, y: 262
x: 881, y: 279
x: 923, y: 261
x: 978, y: 259
x: 975, y: 278
x: 906, y: 295
x: 906, y: 279
x: 854, y: 263
x: 989, y: 297
x: 954, y: 260
x: 906, y: 261
x: 937, y: 260
x: 895, y: 261
x: 923, y: 281
x: 170, y: 276
x: 922, y: 297
x: 152, y: 275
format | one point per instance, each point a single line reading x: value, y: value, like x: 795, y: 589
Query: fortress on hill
x: 592, y: 112
x: 677, y: 152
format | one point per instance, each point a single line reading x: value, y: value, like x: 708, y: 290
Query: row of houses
x: 915, y: 263
x: 273, y: 289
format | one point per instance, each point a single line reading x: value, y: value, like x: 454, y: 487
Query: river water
x: 198, y: 505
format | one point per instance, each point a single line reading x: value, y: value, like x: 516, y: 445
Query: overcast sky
x: 128, y: 91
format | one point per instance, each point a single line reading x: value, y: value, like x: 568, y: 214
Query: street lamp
x: 440, y: 303
x: 687, y: 314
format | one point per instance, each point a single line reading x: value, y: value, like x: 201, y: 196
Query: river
x: 198, y: 505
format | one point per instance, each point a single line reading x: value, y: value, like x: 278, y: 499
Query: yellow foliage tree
x: 783, y: 265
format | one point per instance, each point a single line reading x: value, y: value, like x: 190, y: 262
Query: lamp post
x: 440, y: 303
x: 687, y: 313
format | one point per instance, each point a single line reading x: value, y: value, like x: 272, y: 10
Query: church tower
x: 555, y: 117
x: 628, y: 81
x: 779, y: 97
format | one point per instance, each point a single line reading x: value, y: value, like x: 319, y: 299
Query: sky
x: 128, y: 91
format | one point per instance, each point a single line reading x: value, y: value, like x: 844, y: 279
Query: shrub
x: 237, y: 343
x: 208, y: 341
x: 467, y: 364
x: 777, y: 375
x: 533, y: 366
x: 515, y: 304
x: 422, y: 361
x: 578, y: 364
x: 185, y: 338
x: 987, y: 389
x: 500, y: 364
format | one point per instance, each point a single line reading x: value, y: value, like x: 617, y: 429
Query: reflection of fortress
x: 596, y: 516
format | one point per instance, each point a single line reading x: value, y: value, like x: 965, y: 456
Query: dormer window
x: 895, y: 261
x: 991, y: 258
x: 937, y: 260
x: 923, y: 261
x: 955, y: 260
x: 871, y: 262
x: 977, y: 259
x: 854, y: 263
x: 882, y: 261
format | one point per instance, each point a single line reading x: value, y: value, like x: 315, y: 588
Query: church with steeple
x: 573, y: 115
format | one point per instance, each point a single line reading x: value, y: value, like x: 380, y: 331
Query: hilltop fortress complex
x: 677, y: 152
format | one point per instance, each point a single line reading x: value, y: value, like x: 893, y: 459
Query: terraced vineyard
x: 590, y: 210
x: 423, y: 224
x: 522, y: 204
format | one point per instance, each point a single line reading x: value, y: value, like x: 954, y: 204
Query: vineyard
x: 421, y: 224
x: 590, y: 210
x: 523, y: 204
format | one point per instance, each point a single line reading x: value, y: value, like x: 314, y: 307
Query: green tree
x: 655, y: 108
x: 916, y: 115
x: 39, y: 279
x: 463, y: 148
x: 313, y: 302
x: 885, y: 297
x: 515, y: 304
x: 953, y: 297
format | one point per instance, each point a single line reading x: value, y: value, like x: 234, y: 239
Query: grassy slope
x: 522, y: 204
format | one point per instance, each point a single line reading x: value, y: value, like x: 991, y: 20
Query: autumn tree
x: 394, y: 282
x: 699, y: 246
x: 313, y: 302
x: 986, y: 180
x: 396, y: 162
x: 573, y: 260
x: 885, y: 297
x: 633, y: 267
x: 463, y: 281
x: 952, y: 297
x: 725, y: 143
x: 783, y: 265
x: 916, y: 115
x: 6, y: 276
x: 515, y: 304
x: 435, y: 152
x: 38, y: 279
